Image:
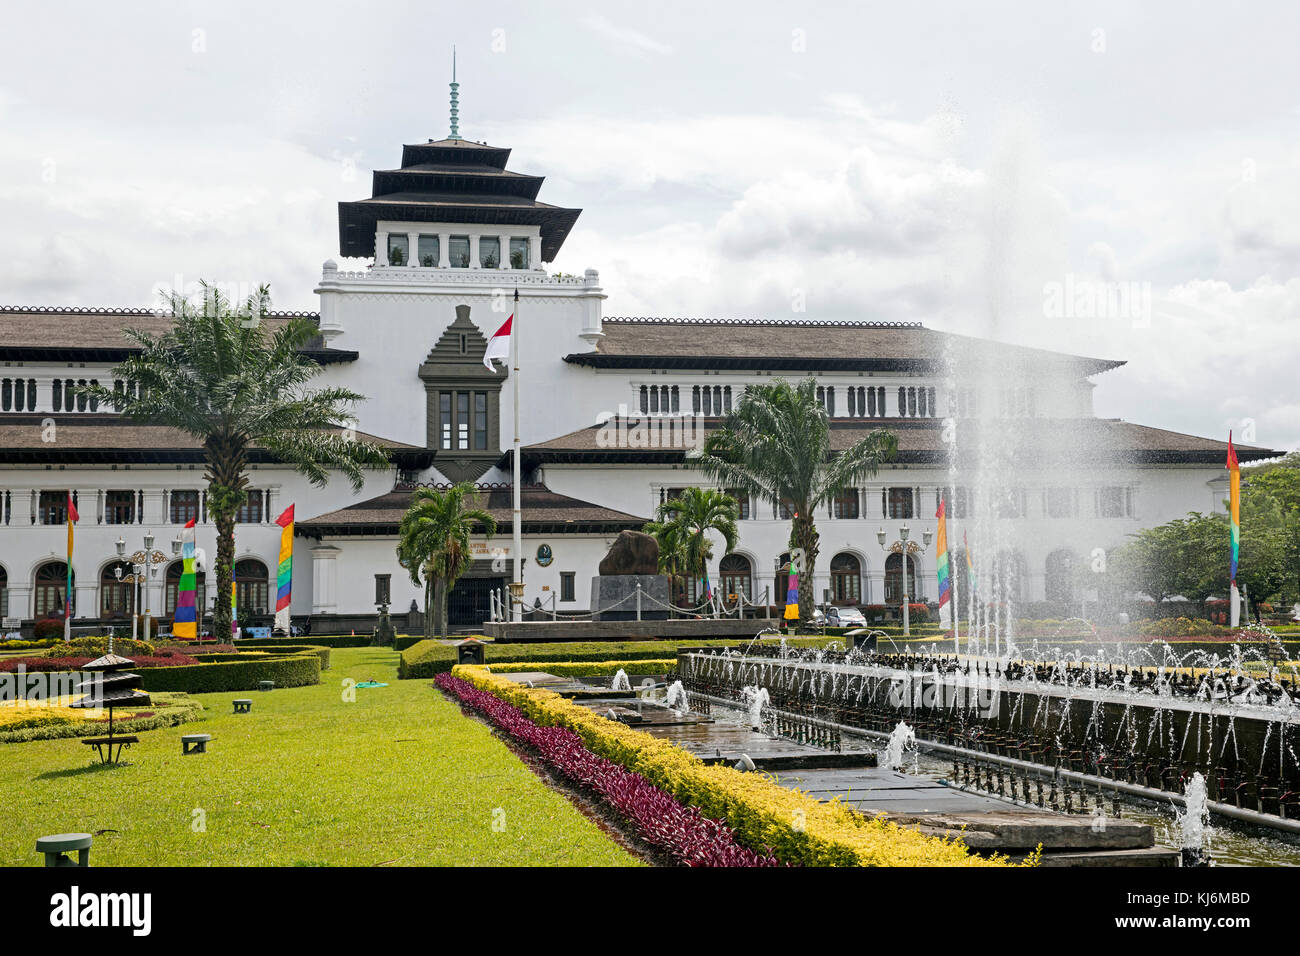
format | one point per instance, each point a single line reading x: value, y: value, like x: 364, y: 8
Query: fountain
x: 676, y: 698
x: 901, y: 742
x: 620, y: 681
x: 756, y: 699
x: 1195, y: 822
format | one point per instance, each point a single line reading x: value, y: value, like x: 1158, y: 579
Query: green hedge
x: 427, y: 658
x: 279, y: 650
x: 295, y: 670
x: 172, y: 709
x: 332, y: 640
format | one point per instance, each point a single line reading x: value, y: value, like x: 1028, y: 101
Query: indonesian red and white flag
x: 498, y: 346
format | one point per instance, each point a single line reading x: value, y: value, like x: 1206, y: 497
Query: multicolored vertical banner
x: 941, y: 562
x: 1234, y: 508
x: 792, y: 595
x: 234, y: 610
x: 284, y: 572
x: 73, y: 518
x: 185, y: 623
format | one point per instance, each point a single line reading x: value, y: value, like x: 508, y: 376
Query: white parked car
x: 845, y: 617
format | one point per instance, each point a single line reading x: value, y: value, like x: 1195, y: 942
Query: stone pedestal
x: 608, y: 590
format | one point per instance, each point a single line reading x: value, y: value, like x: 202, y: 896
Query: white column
x: 504, y: 260
x: 413, y: 249
x: 444, y: 260
x: 535, y: 252
x: 473, y: 251
x: 324, y: 579
x: 152, y: 512
x: 381, y: 248
x: 20, y: 514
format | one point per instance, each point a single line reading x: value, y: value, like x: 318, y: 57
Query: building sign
x: 544, y: 555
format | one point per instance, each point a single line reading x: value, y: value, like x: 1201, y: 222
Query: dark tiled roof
x: 806, y: 346
x: 920, y: 441
x: 94, y: 438
x: 544, y: 512
x: 47, y: 333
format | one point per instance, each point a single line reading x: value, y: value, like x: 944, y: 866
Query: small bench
x: 55, y: 846
x: 110, y: 748
x: 195, y: 743
x: 266, y: 685
x: 243, y: 705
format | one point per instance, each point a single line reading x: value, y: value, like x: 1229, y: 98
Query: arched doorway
x: 735, y: 575
x: 50, y: 588
x: 251, y: 587
x: 894, y: 579
x: 116, y: 597
x: 781, y: 582
x: 173, y: 583
x: 1059, y: 576
x: 846, y: 579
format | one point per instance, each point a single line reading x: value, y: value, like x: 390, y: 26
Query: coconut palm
x: 433, y: 544
x: 234, y: 382
x: 693, y: 515
x: 776, y: 447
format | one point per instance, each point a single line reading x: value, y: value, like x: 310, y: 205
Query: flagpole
x: 516, y: 514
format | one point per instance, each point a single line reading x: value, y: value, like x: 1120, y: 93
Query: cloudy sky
x: 1090, y: 177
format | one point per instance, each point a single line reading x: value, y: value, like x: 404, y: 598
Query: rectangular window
x: 1113, y: 502
x: 397, y: 251
x: 489, y: 252
x: 458, y: 252
x: 846, y: 504
x: 462, y: 421
x: 1009, y: 503
x: 52, y: 507
x: 383, y: 588
x: 742, y: 502
x: 1059, y: 503
x: 444, y: 416
x: 519, y: 253
x: 119, y: 507
x: 480, y: 421
x: 567, y: 579
x: 184, y: 506
x: 429, y: 251
x: 250, y: 512
x: 899, y: 503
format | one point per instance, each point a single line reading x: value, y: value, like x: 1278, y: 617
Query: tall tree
x: 235, y: 382
x: 672, y: 554
x: 433, y: 544
x: 693, y: 515
x: 776, y: 447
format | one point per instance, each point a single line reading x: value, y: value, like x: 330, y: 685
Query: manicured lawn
x: 399, y: 777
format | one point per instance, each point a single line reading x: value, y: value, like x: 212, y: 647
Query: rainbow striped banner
x: 185, y: 623
x: 941, y: 563
x: 1234, y: 508
x: 234, y: 610
x: 792, y: 595
x: 284, y: 573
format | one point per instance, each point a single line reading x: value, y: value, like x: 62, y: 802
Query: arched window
x: 736, y: 576
x: 173, y: 582
x: 846, y: 579
x: 251, y: 587
x: 894, y: 579
x: 4, y: 592
x: 116, y: 598
x: 781, y: 583
x: 1059, y: 576
x: 1011, y: 576
x: 51, y: 587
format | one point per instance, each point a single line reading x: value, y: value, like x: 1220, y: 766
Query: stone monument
x: 632, y: 560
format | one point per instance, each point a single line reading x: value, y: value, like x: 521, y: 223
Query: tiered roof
x: 453, y: 180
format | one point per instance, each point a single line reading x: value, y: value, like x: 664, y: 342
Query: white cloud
x: 632, y: 39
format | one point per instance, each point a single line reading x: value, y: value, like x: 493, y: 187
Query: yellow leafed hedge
x: 798, y: 828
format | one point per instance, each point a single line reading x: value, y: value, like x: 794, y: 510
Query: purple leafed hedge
x: 663, y: 821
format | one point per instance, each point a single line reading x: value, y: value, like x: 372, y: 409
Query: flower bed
x: 22, y: 724
x: 798, y: 828
x: 682, y: 832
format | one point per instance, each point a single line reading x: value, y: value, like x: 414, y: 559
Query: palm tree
x: 672, y: 553
x: 697, y: 512
x: 775, y: 446
x: 227, y: 378
x: 433, y: 544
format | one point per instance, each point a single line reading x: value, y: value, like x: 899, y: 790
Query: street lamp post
x: 144, y: 566
x: 905, y: 549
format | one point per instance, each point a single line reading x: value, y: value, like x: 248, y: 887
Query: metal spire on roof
x: 455, y: 99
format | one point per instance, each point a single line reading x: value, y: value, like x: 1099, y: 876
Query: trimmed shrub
x: 589, y: 668
x: 427, y: 658
x: 48, y: 627
x: 93, y: 647
x: 166, y: 710
x: 794, y: 826
x: 295, y: 670
x: 334, y: 640
x: 49, y: 664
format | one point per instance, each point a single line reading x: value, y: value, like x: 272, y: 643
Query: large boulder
x: 633, y: 552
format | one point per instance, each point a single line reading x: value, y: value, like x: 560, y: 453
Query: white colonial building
x: 611, y: 409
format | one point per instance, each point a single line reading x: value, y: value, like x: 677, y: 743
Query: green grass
x: 400, y: 776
